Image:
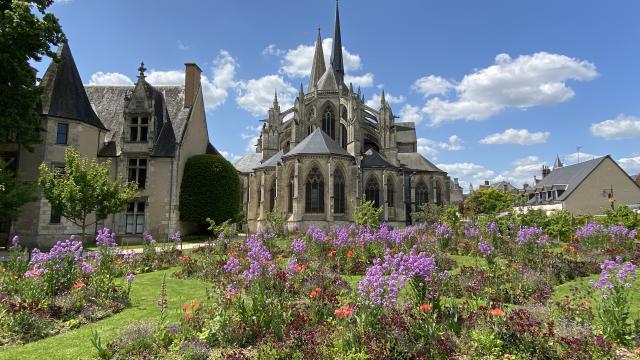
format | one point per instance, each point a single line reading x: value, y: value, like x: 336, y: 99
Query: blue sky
x: 498, y: 87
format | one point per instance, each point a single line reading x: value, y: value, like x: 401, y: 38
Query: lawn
x: 145, y: 291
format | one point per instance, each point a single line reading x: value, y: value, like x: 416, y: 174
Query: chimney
x: 545, y: 171
x: 486, y: 182
x: 191, y: 83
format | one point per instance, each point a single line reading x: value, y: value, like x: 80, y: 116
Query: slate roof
x: 373, y: 159
x: 406, y: 132
x: 317, y: 143
x: 247, y: 163
x: 64, y: 95
x: 415, y: 161
x: 272, y: 161
x: 328, y: 80
x: 568, y: 177
x: 109, y: 103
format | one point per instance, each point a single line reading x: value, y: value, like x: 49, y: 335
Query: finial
x: 141, y: 70
x: 275, y: 98
x: 382, y: 99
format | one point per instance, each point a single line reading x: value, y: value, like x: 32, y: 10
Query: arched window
x: 422, y: 195
x: 390, y: 193
x: 338, y: 192
x: 343, y: 112
x: 438, y: 193
x: 272, y: 197
x: 290, y: 194
x: 372, y: 191
x: 343, y: 138
x: 259, y: 198
x: 329, y: 122
x: 314, y: 192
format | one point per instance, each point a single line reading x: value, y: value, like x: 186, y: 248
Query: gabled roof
x: 272, y: 161
x: 415, y: 161
x: 317, y: 143
x: 64, y: 95
x: 247, y: 163
x: 328, y: 80
x: 571, y: 176
x: 373, y: 159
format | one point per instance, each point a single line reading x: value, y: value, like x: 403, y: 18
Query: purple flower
x: 591, y: 230
x: 484, y: 248
x: 146, y: 236
x: 316, y: 234
x: 531, y: 235
x: 443, y: 231
x: 105, y: 238
x: 232, y: 265
x: 177, y: 237
x: 471, y: 231
x: 86, y: 268
x: 15, y: 242
x: 173, y: 328
x: 615, y: 274
x: 492, y: 228
x: 298, y: 246
x: 129, y: 278
x: 259, y: 259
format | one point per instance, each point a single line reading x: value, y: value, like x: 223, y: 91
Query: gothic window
x: 272, y: 197
x: 343, y: 112
x: 290, y: 193
x: 329, y: 122
x: 309, y: 129
x: 62, y: 134
x: 390, y: 193
x: 343, y: 137
x: 314, y: 192
x: 372, y: 191
x: 422, y: 195
x: 338, y: 192
x: 138, y: 128
x: 138, y: 172
x: 135, y: 218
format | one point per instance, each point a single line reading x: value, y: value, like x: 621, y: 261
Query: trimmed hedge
x: 210, y: 188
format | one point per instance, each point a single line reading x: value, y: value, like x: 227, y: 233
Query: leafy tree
x: 560, y: 225
x: 368, y: 214
x: 27, y: 32
x: 622, y: 215
x: 489, y: 201
x: 533, y: 217
x: 13, y: 192
x: 210, y: 188
x: 428, y: 213
x: 84, y: 188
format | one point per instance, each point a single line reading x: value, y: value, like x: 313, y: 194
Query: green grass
x: 145, y: 291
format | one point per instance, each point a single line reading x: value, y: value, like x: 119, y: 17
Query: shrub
x: 367, y: 214
x: 135, y: 339
x: 428, y: 213
x: 210, y: 189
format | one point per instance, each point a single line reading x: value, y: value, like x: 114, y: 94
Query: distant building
x: 588, y: 187
x: 148, y: 132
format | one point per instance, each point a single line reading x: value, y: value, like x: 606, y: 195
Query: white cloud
x: 622, y: 127
x: 523, y: 171
x: 526, y: 81
x: 256, y: 95
x: 576, y: 157
x: 230, y: 156
x: 410, y: 113
x: 364, y: 81
x: 297, y: 62
x: 272, y: 50
x: 183, y: 46
x: 215, y: 91
x: 432, y: 85
x: 630, y: 164
x: 514, y: 136
x: 468, y: 173
x: 430, y: 148
x: 109, y: 78
x: 374, y: 102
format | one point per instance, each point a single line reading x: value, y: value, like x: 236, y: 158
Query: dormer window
x: 138, y: 128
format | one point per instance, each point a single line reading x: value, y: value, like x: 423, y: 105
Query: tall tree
x: 13, y: 192
x: 83, y: 189
x: 27, y: 33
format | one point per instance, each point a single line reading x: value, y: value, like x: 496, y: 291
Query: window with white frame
x: 135, y: 220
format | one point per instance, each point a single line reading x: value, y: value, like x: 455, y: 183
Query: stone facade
x: 146, y: 132
x: 316, y: 161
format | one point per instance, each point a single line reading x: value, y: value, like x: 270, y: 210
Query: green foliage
x: 210, y: 189
x: 560, y: 225
x: 27, y: 32
x: 83, y: 189
x: 96, y: 341
x: 489, y: 201
x: 451, y: 217
x: 428, y: 213
x: 276, y: 221
x: 13, y: 193
x: 622, y: 215
x: 533, y: 218
x: 367, y: 214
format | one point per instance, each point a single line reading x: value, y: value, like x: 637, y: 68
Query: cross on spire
x: 141, y: 70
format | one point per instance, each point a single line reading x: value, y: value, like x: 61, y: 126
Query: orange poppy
x: 498, y: 312
x: 569, y: 248
x: 343, y: 312
x: 350, y: 253
x: 78, y: 285
x: 424, y: 307
x: 195, y: 304
x: 186, y: 307
x: 183, y: 257
x: 118, y: 262
x: 331, y: 253
x: 188, y: 315
x: 299, y: 268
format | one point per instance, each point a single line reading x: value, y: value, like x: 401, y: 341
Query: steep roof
x: 336, y: 51
x: 317, y: 68
x: 415, y: 161
x: 373, y: 159
x: 571, y: 176
x: 272, y: 161
x: 109, y: 103
x: 317, y: 143
x: 247, y: 163
x: 328, y: 80
x: 64, y: 95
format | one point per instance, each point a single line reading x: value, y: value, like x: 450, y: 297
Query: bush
x: 368, y: 214
x: 210, y: 189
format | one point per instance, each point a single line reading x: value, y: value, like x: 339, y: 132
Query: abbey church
x: 333, y: 152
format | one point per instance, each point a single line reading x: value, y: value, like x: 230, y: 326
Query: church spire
x: 557, y: 163
x: 275, y: 99
x: 318, y: 68
x: 383, y: 101
x: 336, y: 52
